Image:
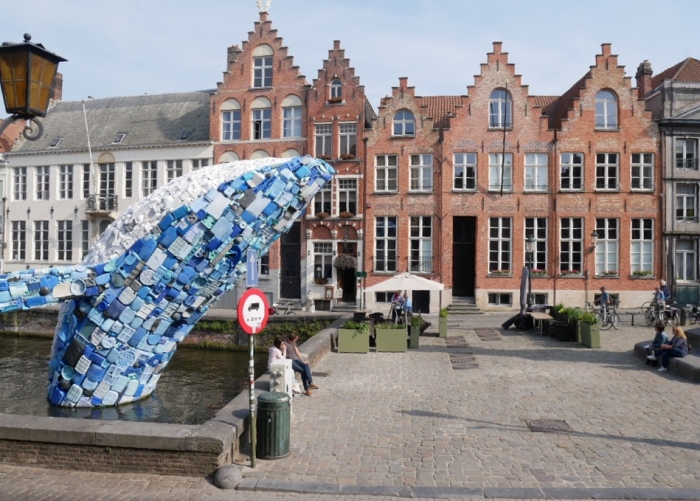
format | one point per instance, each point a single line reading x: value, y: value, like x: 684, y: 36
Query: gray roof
x: 148, y: 120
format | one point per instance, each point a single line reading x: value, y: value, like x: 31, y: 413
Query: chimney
x: 403, y: 82
x: 336, y: 44
x: 57, y: 88
x: 644, y: 73
x: 232, y: 54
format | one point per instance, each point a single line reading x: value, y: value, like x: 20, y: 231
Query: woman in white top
x: 276, y: 352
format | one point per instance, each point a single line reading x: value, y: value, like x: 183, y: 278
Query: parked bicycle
x: 662, y: 313
x: 693, y: 313
x: 607, y: 317
x: 287, y: 309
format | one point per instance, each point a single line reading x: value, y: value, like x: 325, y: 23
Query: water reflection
x: 196, y: 384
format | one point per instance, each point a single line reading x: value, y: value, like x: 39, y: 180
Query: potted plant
x: 536, y: 272
x: 324, y: 157
x: 320, y: 281
x: 414, y: 332
x: 322, y: 215
x: 443, y: 322
x: 590, y: 332
x: 575, y: 315
x: 391, y: 337
x: 334, y: 100
x: 566, y: 273
x: 499, y: 272
x: 345, y: 262
x: 353, y: 337
x: 346, y: 214
x: 609, y: 273
x: 641, y: 273
x: 347, y: 156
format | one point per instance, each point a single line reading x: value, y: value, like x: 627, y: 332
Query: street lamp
x: 594, y: 241
x: 27, y: 72
x: 529, y: 249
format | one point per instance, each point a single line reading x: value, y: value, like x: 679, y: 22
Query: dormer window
x: 262, y: 66
x: 500, y: 109
x: 404, y: 123
x: 55, y: 142
x: 119, y: 138
x: 606, y: 110
x: 336, y: 95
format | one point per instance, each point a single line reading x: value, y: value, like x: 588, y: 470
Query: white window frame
x: 403, y: 123
x: 149, y: 177
x: 128, y: 179
x: 64, y: 240
x: 261, y: 124
x: 536, y: 227
x: 607, y: 172
x: 571, y: 171
x: 19, y: 183
x: 291, y: 121
x: 536, y: 168
x: 420, y: 251
x: 607, y: 247
x: 500, y: 109
x: 347, y: 195
x: 87, y: 168
x: 495, y: 172
x: 686, y: 258
x: 571, y: 249
x: 385, y: 244
x: 323, y: 200
x: 386, y: 173
x: 500, y: 298
x: 687, y: 202
x: 262, y: 72
x: 41, y: 240
x: 348, y: 139
x: 686, y: 153
x: 642, y: 246
x: 336, y: 89
x: 606, y: 116
x: 323, y: 258
x: 642, y: 175
x: 65, y: 182
x: 43, y: 182
x: 500, y: 245
x: 421, y: 172
x: 19, y: 240
x: 231, y: 125
x: 323, y: 137
x: 173, y: 170
x: 84, y: 238
x: 465, y: 170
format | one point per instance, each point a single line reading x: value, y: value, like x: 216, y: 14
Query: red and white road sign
x: 253, y: 311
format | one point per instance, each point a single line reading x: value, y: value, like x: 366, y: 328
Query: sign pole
x: 251, y: 371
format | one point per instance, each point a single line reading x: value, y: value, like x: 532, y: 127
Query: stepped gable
x: 687, y: 70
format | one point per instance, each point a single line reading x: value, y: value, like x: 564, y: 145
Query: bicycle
x: 693, y: 313
x: 274, y: 309
x: 608, y: 317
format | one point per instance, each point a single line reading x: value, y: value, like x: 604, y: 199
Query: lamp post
x: 27, y: 72
x: 529, y: 249
x: 594, y: 241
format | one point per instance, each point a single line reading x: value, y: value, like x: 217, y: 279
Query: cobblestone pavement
x: 413, y: 420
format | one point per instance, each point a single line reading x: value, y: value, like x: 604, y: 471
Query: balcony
x: 102, y: 206
x: 421, y: 265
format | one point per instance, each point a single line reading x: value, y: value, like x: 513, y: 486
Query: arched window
x: 336, y: 90
x: 500, y: 109
x: 262, y: 118
x: 291, y: 116
x: 605, y: 110
x: 259, y: 154
x: 262, y: 66
x: 290, y: 153
x: 229, y: 156
x: 404, y: 123
x: 230, y: 120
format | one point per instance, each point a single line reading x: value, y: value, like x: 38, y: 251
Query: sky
x: 134, y: 47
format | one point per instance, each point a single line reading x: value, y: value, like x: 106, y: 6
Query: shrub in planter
x: 345, y: 262
x: 414, y: 330
x: 346, y: 214
x: 353, y: 337
x: 391, y: 337
x: 322, y: 215
x: 347, y: 156
x: 590, y: 332
x: 443, y: 322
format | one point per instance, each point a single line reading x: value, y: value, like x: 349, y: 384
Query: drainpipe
x: 365, y: 140
x: 554, y: 223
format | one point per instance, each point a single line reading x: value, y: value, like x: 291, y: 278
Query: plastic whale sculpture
x: 156, y: 271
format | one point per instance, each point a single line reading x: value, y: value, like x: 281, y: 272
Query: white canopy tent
x: 406, y: 282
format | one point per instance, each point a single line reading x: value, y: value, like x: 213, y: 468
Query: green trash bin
x: 273, y: 425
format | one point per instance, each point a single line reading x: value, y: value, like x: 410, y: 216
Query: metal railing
x: 102, y: 203
x: 421, y: 265
x: 687, y: 163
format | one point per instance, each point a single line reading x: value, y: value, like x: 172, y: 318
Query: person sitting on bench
x: 299, y: 365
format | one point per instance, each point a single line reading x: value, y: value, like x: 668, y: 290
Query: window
x: 642, y: 247
x: 465, y: 171
x: 174, y: 169
x: 642, y: 171
x: 290, y: 153
x: 607, y: 247
x: 686, y: 257
x: 41, y: 240
x: 65, y: 240
x: 686, y: 154
x: 259, y: 154
x: 404, y: 124
x: 198, y: 163
x: 119, y: 137
x: 19, y: 183
x: 383, y: 297
x: 324, y: 135
x: 128, y: 179
x: 19, y: 240
x: 347, y: 195
x: 86, y: 180
x: 323, y: 200
x: 500, y: 171
x: 42, y: 183
x: 571, y: 242
x: 536, y: 171
x: 536, y: 227
x: 231, y: 125
x: 291, y: 122
x: 571, y: 171
x: 348, y: 140
x: 606, y: 171
x: 499, y: 245
x: 323, y: 261
x: 84, y: 238
x: 422, y: 172
x: 262, y: 123
x: 104, y: 224
x: 229, y: 156
x: 149, y: 177
x: 606, y: 110
x: 540, y: 298
x: 385, y: 244
x: 264, y: 265
x: 107, y: 185
x: 386, y: 172
x: 500, y: 109
x: 65, y: 181
x: 336, y: 91
x: 262, y: 66
x: 421, y: 243
x: 500, y: 299
x: 686, y: 202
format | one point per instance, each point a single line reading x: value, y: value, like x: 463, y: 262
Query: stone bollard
x: 228, y: 477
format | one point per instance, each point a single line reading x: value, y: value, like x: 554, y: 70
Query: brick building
x: 457, y: 183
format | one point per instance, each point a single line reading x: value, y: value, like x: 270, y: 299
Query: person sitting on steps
x: 677, y: 347
x: 660, y: 339
x: 299, y: 365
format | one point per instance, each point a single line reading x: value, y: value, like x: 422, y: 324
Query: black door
x: 420, y: 301
x: 291, y: 263
x: 349, y: 285
x: 463, y: 256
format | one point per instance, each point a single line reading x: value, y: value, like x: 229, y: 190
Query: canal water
x: 194, y: 386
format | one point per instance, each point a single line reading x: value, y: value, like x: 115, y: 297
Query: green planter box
x: 353, y: 341
x: 590, y: 335
x: 391, y: 339
x: 443, y: 326
x: 413, y: 337
x: 577, y: 330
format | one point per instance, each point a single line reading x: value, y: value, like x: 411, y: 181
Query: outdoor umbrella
x: 406, y: 282
x: 523, y: 289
